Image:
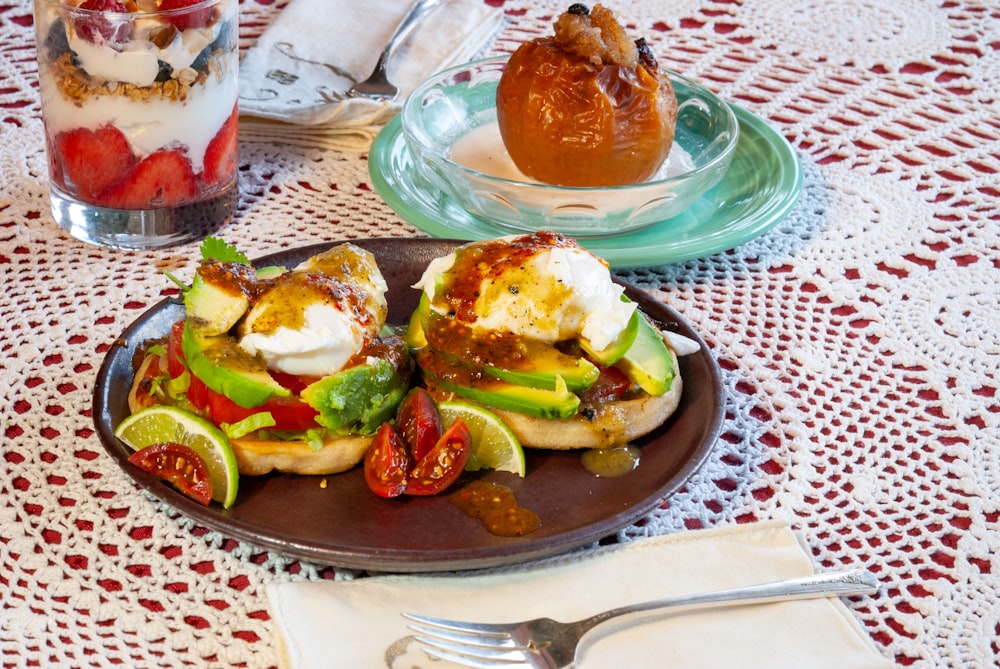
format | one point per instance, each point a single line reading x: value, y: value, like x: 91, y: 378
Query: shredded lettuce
x: 252, y: 423
x: 315, y: 437
x: 177, y: 387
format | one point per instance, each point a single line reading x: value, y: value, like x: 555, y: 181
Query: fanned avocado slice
x: 227, y: 369
x: 648, y: 362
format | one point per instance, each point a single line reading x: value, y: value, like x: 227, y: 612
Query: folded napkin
x: 358, y: 624
x: 317, y: 49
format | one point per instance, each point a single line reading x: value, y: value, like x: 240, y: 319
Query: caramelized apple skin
x: 569, y: 122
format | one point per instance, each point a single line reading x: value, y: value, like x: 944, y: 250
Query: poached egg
x: 317, y: 317
x: 530, y: 287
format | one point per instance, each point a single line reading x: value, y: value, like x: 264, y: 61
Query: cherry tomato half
x: 418, y: 422
x: 445, y: 462
x: 179, y: 465
x: 387, y: 463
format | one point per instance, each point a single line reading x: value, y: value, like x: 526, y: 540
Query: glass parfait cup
x: 139, y: 104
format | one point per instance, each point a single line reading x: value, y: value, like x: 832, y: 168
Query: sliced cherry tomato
x: 179, y: 465
x: 418, y: 422
x: 289, y: 413
x: 445, y: 462
x: 612, y: 384
x: 175, y: 357
x: 387, y: 463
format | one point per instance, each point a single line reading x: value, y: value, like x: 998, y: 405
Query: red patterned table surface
x: 859, y: 339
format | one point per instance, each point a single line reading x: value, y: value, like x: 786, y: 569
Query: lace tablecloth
x: 859, y: 340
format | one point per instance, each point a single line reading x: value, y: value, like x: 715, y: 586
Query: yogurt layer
x: 151, y: 119
x: 149, y: 125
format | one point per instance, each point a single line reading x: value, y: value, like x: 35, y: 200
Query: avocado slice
x: 415, y: 336
x: 358, y: 399
x: 452, y: 376
x: 648, y: 362
x: 214, y: 307
x: 614, y: 351
x: 227, y: 369
x: 537, y: 402
x: 548, y: 368
x: 533, y: 363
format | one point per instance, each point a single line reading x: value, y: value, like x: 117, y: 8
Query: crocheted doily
x: 858, y: 340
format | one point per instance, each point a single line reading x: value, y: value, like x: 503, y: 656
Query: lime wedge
x: 160, y: 423
x: 494, y: 446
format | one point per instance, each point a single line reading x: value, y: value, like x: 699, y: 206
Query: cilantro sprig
x: 213, y: 248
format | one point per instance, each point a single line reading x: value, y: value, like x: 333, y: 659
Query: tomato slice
x: 612, y: 384
x: 387, y: 463
x: 175, y: 357
x: 293, y: 382
x: 179, y: 465
x: 289, y: 413
x: 418, y: 422
x: 445, y: 462
x: 197, y: 393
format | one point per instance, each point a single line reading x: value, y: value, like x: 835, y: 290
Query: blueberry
x: 164, y: 71
x: 56, y: 42
x: 579, y: 9
x: 201, y: 62
x: 222, y: 41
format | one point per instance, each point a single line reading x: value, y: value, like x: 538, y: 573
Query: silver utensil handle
x: 855, y: 582
x: 417, y: 11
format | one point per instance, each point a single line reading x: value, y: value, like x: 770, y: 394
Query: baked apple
x: 586, y: 106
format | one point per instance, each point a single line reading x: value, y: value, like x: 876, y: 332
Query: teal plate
x: 758, y: 190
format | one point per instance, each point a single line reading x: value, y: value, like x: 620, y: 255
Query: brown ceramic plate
x: 337, y: 520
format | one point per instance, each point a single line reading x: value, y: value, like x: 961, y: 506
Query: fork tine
x: 465, y: 637
x: 487, y: 655
x: 466, y: 661
x: 473, y: 629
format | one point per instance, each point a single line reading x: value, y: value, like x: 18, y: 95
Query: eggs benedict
x: 297, y: 366
x: 534, y: 327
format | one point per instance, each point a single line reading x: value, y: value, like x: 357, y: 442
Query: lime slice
x: 494, y: 446
x: 158, y: 424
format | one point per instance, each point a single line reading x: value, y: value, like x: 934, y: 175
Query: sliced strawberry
x: 93, y: 160
x: 161, y: 179
x: 104, y: 30
x: 222, y: 153
x: 184, y: 20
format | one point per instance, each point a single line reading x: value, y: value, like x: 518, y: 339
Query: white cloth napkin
x: 316, y: 49
x: 358, y: 623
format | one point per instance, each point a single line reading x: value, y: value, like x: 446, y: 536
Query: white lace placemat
x: 858, y: 340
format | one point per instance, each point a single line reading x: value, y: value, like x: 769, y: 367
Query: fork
x: 377, y: 85
x: 544, y: 643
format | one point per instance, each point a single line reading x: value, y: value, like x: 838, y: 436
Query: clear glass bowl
x: 450, y: 125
